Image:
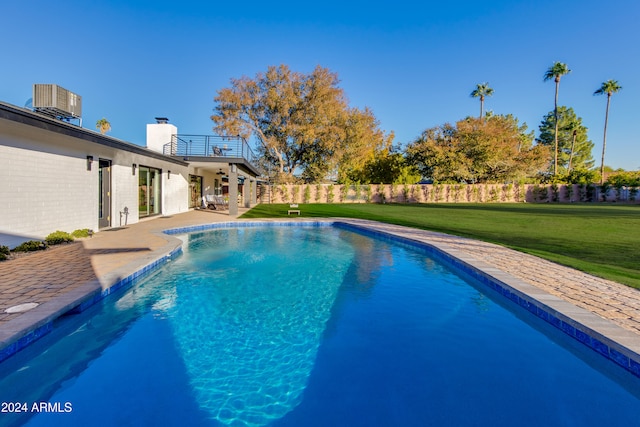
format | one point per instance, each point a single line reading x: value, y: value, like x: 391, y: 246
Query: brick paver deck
x: 50, y: 277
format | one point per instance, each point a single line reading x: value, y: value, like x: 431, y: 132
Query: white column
x: 246, y: 192
x: 254, y: 191
x: 233, y: 190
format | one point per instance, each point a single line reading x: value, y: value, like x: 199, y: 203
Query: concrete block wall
x: 443, y: 193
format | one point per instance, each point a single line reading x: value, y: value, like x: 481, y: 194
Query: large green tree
x: 609, y: 87
x: 555, y: 72
x: 497, y: 149
x: 301, y: 122
x: 574, y: 150
x: 387, y: 166
x: 481, y: 91
x: 363, y: 143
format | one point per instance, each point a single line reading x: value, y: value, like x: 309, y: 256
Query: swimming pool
x: 306, y: 326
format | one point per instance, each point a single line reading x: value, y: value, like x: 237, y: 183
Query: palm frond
x: 609, y: 87
x: 557, y: 70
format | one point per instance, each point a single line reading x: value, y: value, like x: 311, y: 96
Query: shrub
x: 344, y: 191
x: 307, y: 194
x: 604, y: 190
x: 58, y: 237
x: 29, y: 246
x: 382, y: 198
x: 555, y: 192
x: 330, y: 194
x: 405, y: 193
x: 4, y: 252
x: 590, y: 193
x: 358, y: 190
x: 83, y: 232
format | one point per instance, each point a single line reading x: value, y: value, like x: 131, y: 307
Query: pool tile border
x: 600, y: 335
x: 22, y: 331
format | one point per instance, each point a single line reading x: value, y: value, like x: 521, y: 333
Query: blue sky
x: 413, y: 63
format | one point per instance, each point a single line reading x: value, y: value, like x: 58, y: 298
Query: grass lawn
x: 603, y: 240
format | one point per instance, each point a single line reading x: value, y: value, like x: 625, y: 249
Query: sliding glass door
x: 195, y: 193
x: 149, y: 195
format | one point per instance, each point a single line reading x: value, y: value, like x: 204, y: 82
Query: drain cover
x: 21, y: 307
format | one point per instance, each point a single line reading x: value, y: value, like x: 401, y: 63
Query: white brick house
x: 58, y: 176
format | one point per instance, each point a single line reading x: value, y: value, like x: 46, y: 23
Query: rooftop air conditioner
x: 56, y: 101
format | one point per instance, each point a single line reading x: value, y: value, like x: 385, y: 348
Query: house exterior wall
x: 45, y: 184
x: 175, y: 191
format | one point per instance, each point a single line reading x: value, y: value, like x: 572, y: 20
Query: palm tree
x: 481, y: 90
x: 609, y: 87
x: 103, y: 125
x: 557, y: 70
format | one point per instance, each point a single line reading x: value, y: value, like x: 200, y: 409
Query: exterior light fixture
x: 89, y: 161
x: 168, y: 174
x: 133, y: 169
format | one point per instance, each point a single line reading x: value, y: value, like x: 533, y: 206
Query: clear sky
x: 414, y: 63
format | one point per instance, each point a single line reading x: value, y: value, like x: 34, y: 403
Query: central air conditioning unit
x: 57, y: 102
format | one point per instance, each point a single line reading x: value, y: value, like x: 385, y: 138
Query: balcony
x: 231, y: 149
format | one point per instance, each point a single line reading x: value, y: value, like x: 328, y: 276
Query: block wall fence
x: 445, y: 193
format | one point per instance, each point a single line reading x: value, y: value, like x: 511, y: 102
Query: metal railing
x: 209, y: 146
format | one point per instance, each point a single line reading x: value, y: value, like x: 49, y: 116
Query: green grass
x: 603, y: 240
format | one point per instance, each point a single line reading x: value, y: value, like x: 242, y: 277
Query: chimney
x: 159, y: 134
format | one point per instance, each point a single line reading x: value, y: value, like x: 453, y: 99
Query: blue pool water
x: 312, y: 326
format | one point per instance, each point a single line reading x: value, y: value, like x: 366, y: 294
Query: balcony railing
x: 209, y: 146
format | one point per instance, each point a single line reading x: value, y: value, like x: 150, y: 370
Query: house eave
x: 41, y: 121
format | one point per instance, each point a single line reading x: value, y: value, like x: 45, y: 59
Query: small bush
x: 58, y: 237
x: 31, y: 245
x: 307, y: 194
x: 4, y: 252
x: 78, y: 234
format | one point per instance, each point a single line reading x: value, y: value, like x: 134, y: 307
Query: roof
x: 42, y: 121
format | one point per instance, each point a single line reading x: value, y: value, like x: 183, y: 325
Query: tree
x: 388, y: 166
x: 573, y: 153
x: 301, y: 121
x: 103, y: 125
x: 497, y: 149
x: 555, y: 72
x: 363, y: 142
x: 481, y: 91
x: 609, y: 87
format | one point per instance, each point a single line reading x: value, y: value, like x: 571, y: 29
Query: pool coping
x: 601, y: 335
x: 19, y: 333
